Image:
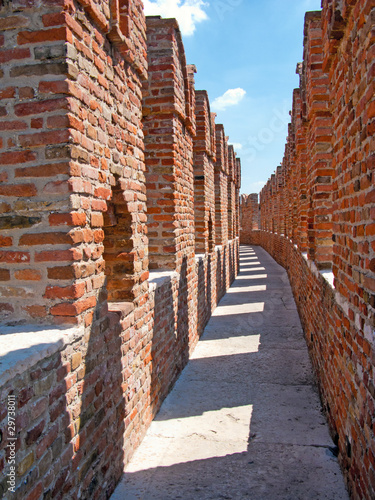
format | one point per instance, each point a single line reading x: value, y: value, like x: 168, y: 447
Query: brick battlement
x: 317, y: 220
x: 114, y: 233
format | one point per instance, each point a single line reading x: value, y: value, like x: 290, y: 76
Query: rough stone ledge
x: 326, y: 274
x: 199, y: 257
x: 21, y: 347
x: 329, y: 277
x: 123, y: 309
x: 158, y: 278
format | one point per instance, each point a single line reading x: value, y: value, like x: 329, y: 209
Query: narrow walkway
x: 244, y: 420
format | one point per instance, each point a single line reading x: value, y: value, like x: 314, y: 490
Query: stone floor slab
x: 244, y: 420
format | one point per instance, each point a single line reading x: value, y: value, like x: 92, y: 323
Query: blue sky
x: 246, y: 53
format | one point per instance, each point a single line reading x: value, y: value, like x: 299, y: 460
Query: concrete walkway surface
x: 244, y: 419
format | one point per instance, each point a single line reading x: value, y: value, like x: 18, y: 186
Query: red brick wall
x: 237, y: 197
x: 208, y: 290
x: 63, y: 158
x: 329, y: 192
x: 88, y: 144
x: 34, y: 156
x: 298, y: 167
x: 318, y: 115
x: 249, y: 214
x: 221, y: 186
x: 204, y: 175
x: 72, y: 180
x: 169, y: 127
x: 231, y: 192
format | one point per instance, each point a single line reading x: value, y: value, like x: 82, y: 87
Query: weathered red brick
x: 71, y: 219
x: 44, y: 138
x: 69, y: 292
x: 14, y: 257
x: 5, y: 241
x: 48, y: 35
x: 7, y: 55
x: 44, y: 239
x: 13, y: 22
x: 53, y: 19
x: 28, y: 275
x: 4, y: 274
x: 18, y: 190
x: 73, y: 309
x: 48, y: 170
x: 33, y: 108
x: 54, y: 256
x: 14, y: 157
x: 7, y: 93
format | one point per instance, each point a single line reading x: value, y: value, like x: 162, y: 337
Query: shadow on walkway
x: 244, y: 419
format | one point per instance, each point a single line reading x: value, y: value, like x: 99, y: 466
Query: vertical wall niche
x: 118, y: 248
x: 211, y: 235
x: 230, y: 212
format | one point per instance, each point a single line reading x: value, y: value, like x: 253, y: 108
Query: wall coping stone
x: 199, y: 256
x: 121, y: 308
x: 21, y: 347
x: 326, y: 274
x: 329, y: 277
x: 158, y: 278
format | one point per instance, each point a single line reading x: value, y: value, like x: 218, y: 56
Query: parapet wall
x: 204, y: 175
x: 249, y: 217
x: 110, y: 262
x: 317, y: 220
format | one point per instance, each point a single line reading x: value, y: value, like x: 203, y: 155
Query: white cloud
x: 237, y: 146
x: 188, y: 12
x: 230, y: 98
